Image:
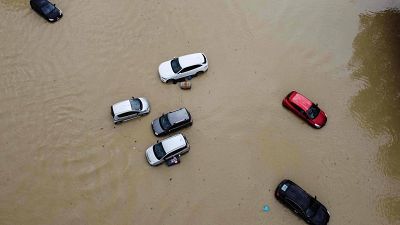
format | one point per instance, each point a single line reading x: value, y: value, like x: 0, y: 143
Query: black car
x: 46, y: 9
x: 171, y: 122
x: 301, y: 203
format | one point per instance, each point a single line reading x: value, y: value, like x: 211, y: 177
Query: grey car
x: 171, y: 122
x: 129, y: 109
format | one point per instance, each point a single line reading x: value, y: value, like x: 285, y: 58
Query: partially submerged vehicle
x: 301, y: 203
x: 305, y: 109
x: 182, y: 67
x: 167, y: 149
x: 171, y: 122
x: 46, y: 9
x: 129, y: 109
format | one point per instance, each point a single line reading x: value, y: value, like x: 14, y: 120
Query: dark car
x: 301, y: 203
x: 171, y: 122
x: 46, y: 9
x: 305, y: 109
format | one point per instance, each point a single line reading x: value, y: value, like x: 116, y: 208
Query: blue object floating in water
x: 266, y: 208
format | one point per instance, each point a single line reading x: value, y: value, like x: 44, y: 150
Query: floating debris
x: 266, y: 208
x: 173, y: 161
x: 185, y: 85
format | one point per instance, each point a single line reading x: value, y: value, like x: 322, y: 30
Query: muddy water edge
x: 62, y: 161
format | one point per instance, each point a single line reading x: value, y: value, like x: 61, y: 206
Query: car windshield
x: 159, y: 151
x: 313, y: 111
x: 176, y: 67
x: 47, y: 8
x: 164, y: 122
x: 136, y: 104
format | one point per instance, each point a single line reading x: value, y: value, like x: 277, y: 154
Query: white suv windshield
x: 176, y: 67
x: 159, y: 151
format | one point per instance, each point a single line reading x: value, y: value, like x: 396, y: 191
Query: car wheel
x: 117, y: 122
x: 189, y: 77
x: 174, y: 81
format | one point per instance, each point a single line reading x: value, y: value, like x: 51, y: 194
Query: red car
x: 305, y: 109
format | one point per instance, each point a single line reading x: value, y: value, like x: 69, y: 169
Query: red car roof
x: 303, y: 102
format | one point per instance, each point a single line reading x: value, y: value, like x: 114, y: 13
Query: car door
x: 188, y: 71
x: 296, y: 209
x: 172, y: 154
x: 299, y: 111
x: 127, y: 115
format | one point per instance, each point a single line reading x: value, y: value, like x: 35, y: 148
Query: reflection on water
x: 376, y: 62
x: 390, y: 207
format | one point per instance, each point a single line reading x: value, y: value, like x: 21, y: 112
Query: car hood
x: 157, y: 127
x: 165, y: 70
x: 320, y: 119
x: 151, y: 158
x: 56, y: 13
x: 321, y: 217
x: 145, y: 105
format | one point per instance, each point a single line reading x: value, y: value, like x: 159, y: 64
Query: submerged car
x: 46, y: 9
x: 171, y: 122
x: 129, y: 109
x: 305, y: 109
x: 166, y: 149
x: 301, y: 203
x: 186, y: 66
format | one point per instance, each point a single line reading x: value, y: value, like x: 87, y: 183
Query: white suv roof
x: 172, y: 143
x: 191, y: 59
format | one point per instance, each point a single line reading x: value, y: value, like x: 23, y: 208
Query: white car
x: 166, y: 149
x: 129, y: 109
x: 186, y: 66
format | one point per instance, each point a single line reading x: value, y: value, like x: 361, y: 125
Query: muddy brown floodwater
x: 62, y: 161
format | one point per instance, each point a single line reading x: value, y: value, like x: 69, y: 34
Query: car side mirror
x: 315, y: 197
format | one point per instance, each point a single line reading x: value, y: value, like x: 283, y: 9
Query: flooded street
x: 63, y: 161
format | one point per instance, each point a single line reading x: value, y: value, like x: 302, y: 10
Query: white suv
x: 129, y: 109
x: 166, y: 149
x: 186, y: 66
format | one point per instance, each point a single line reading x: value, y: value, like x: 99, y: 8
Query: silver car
x: 167, y: 149
x: 129, y: 109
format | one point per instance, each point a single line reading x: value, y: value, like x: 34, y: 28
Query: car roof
x: 172, y: 143
x: 191, y: 59
x: 122, y: 107
x: 300, y: 100
x: 298, y: 195
x: 40, y: 2
x: 178, y: 115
